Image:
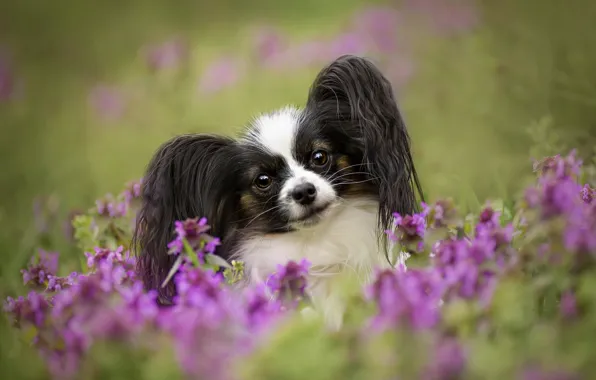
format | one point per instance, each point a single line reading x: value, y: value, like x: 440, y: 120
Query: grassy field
x: 485, y: 86
x: 483, y: 98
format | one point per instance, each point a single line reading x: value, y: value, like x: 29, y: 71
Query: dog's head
x: 289, y: 169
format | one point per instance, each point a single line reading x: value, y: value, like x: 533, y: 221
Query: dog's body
x: 319, y: 183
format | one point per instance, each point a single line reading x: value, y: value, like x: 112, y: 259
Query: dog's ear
x: 188, y: 177
x: 353, y: 92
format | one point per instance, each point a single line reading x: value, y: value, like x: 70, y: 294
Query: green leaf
x: 216, y: 261
x: 191, y: 253
x: 172, y: 271
x: 85, y: 232
x: 469, y: 224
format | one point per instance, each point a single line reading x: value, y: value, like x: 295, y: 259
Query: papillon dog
x: 319, y: 183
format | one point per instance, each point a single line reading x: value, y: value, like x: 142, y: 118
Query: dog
x: 319, y: 183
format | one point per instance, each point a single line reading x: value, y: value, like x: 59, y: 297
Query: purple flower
x: 489, y: 228
x: 41, y: 267
x: 579, y: 234
x: 559, y: 167
x: 119, y: 207
x: 448, y: 362
x: 220, y: 74
x: 110, y: 207
x: 56, y: 284
x: 459, y: 263
x: 194, y: 232
x: 31, y: 310
x: 191, y: 229
x: 114, y: 323
x: 206, y: 323
x: 102, y: 255
x: 587, y: 194
x: 197, y: 287
x: 140, y: 305
x: 132, y: 191
x: 489, y: 218
x: 379, y: 27
x: 568, y: 305
x: 406, y: 297
x: 269, y: 45
x: 289, y: 282
x: 347, y: 43
x: 167, y: 55
x: 109, y: 103
x: 260, y: 308
x: 409, y: 230
x: 441, y: 214
x: 558, y: 196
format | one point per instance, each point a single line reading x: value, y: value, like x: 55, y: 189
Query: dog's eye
x: 263, y: 181
x: 319, y: 157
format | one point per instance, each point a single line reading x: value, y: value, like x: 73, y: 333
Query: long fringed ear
x: 353, y: 92
x: 188, y: 177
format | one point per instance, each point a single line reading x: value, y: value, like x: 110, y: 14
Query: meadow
x: 89, y: 91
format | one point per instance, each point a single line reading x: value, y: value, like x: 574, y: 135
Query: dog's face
x: 286, y: 173
x: 296, y: 171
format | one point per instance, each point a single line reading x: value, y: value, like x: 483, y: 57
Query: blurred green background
x: 88, y: 90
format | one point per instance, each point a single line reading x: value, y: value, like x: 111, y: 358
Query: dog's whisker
x: 352, y: 183
x: 264, y: 212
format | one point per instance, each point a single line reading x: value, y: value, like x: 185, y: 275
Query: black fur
x: 353, y: 96
x: 186, y: 178
x: 350, y: 109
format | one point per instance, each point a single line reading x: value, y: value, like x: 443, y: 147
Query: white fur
x: 276, y: 131
x: 325, y: 192
x: 343, y: 242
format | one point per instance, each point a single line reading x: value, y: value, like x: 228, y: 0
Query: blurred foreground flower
x: 289, y: 281
x: 409, y: 299
x: 513, y: 284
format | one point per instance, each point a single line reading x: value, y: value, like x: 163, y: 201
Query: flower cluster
x: 41, y: 269
x: 109, y: 304
x: 409, y: 230
x: 461, y: 302
x: 194, y: 233
x: 120, y: 205
x: 409, y: 298
x: 289, y: 281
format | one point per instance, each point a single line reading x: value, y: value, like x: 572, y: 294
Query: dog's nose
x: 305, y: 193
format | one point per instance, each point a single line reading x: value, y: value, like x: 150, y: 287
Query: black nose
x: 304, y: 194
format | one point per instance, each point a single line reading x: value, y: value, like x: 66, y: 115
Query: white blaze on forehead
x: 276, y: 131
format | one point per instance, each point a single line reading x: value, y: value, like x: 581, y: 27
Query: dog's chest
x: 346, y: 243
